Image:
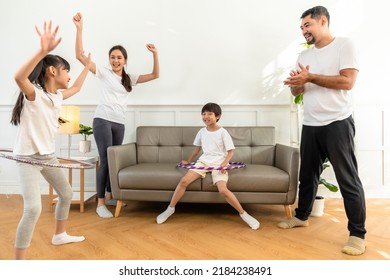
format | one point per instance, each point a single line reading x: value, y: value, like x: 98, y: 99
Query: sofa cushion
x: 153, y: 176
x: 253, y: 178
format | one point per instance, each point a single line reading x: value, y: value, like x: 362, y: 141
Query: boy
x: 218, y: 149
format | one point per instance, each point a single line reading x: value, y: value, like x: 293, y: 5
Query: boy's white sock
x: 165, y: 215
x: 64, y: 238
x: 252, y: 222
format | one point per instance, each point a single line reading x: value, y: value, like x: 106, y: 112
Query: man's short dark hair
x: 317, y: 12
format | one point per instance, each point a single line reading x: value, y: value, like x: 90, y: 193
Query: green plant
x: 330, y: 186
x: 298, y: 99
x: 85, y: 131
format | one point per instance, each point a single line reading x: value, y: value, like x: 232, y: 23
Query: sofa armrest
x: 287, y: 159
x: 120, y: 157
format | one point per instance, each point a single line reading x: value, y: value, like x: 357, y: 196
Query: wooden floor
x: 196, y: 232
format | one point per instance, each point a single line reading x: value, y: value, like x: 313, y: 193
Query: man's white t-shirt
x: 323, y: 106
x: 215, y: 145
x: 113, y: 97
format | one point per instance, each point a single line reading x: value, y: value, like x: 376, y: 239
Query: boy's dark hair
x: 317, y: 12
x: 126, y: 82
x: 214, y: 108
x: 37, y: 78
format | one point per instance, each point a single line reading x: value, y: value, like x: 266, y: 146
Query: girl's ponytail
x: 37, y: 78
x: 15, y: 119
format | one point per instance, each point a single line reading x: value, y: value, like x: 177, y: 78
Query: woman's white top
x: 113, y: 95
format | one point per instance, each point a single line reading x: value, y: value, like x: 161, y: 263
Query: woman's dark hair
x: 38, y: 79
x: 317, y: 12
x: 126, y: 82
x: 214, y: 108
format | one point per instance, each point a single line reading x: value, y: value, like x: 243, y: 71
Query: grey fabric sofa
x: 146, y: 170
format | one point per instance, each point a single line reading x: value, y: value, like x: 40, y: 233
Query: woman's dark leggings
x: 106, y: 134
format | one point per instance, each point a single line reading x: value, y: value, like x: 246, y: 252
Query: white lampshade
x: 71, y: 114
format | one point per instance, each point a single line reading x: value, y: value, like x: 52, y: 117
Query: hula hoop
x: 232, y: 165
x: 76, y: 164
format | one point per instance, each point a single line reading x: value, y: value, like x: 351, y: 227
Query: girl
x: 36, y: 112
x: 109, y: 119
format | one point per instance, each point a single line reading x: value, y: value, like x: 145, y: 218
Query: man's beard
x: 311, y: 41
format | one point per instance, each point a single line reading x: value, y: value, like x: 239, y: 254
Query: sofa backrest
x: 171, y: 144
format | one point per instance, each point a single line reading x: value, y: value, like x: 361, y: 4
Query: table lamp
x: 71, y: 117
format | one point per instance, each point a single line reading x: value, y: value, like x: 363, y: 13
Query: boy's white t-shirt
x: 113, y: 97
x: 215, y: 145
x: 323, y: 106
x: 38, y: 124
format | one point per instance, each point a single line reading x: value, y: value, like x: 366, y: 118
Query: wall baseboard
x: 44, y: 189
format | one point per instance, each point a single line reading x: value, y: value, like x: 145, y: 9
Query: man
x: 325, y: 75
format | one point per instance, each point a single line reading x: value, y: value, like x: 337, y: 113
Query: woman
x: 109, y: 118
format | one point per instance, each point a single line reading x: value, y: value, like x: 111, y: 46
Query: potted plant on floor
x: 319, y: 202
x: 85, y: 144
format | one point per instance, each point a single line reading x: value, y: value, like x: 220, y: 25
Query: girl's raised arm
x: 76, y: 87
x: 48, y: 43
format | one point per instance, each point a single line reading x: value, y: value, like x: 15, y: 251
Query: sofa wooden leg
x: 287, y: 208
x: 118, y: 208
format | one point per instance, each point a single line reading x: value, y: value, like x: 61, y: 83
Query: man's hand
x: 298, y: 77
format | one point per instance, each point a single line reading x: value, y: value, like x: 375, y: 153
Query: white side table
x: 81, y: 196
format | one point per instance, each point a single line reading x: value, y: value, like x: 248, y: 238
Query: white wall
x: 234, y: 52
x: 227, y: 51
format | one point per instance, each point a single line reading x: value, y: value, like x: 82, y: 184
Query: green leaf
x: 330, y: 186
x: 298, y: 99
x: 306, y: 45
x: 325, y: 165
